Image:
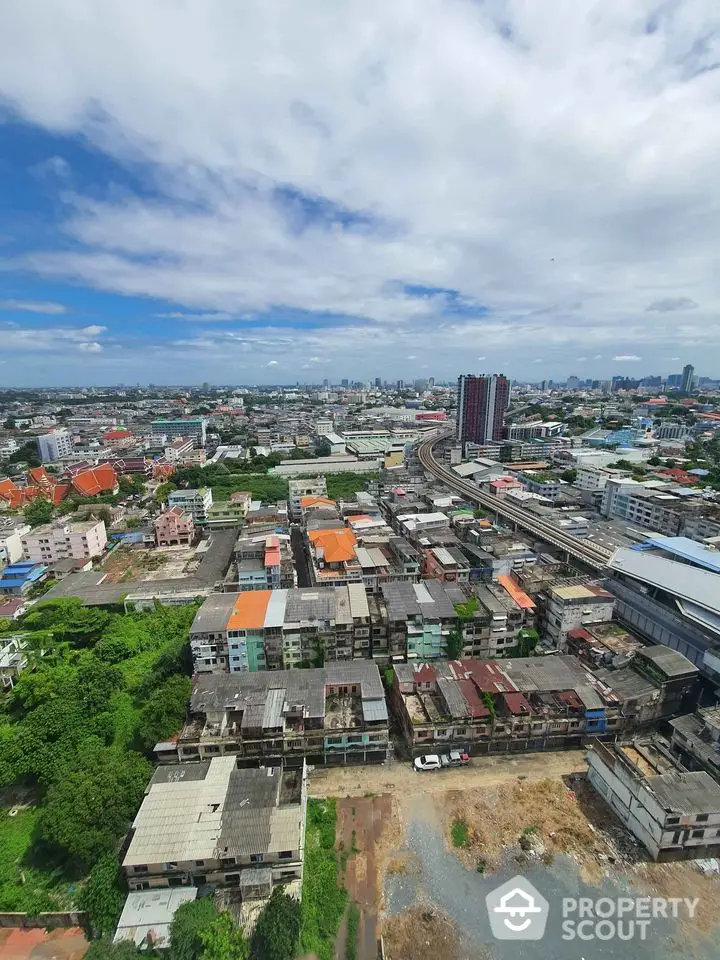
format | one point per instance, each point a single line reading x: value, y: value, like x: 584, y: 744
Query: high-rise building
x: 54, y: 446
x: 481, y: 404
x: 573, y: 383
x: 687, y: 378
x: 345, y: 382
x: 378, y: 382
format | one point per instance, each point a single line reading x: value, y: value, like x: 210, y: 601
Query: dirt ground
x: 364, y: 827
x: 42, y: 945
x: 424, y: 933
x: 157, y: 563
x: 400, y: 779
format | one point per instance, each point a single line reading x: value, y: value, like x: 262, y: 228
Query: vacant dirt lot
x: 156, y: 563
x: 400, y: 779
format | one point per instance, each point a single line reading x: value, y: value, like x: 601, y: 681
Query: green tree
x: 98, y: 681
x: 191, y: 920
x: 10, y: 423
x: 90, y: 807
x: 164, y: 712
x: 570, y: 475
x: 454, y: 644
x: 107, y: 950
x: 38, y: 511
x: 222, y: 940
x: 102, y: 896
x: 654, y: 461
x: 277, y: 931
x: 162, y: 490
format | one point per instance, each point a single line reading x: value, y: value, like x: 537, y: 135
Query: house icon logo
x: 517, y: 911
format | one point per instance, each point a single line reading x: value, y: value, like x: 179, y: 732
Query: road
x: 400, y: 779
x: 302, y: 565
x: 588, y: 553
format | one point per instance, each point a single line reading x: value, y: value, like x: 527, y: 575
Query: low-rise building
x: 331, y: 715
x: 212, y: 823
x: 533, y: 703
x: 448, y: 564
x: 195, y: 502
x: 65, y: 541
x: 696, y: 740
x: 574, y: 605
x: 17, y: 579
x: 674, y: 814
x: 13, y: 660
x: 11, y: 533
x: 264, y: 562
x: 174, y: 527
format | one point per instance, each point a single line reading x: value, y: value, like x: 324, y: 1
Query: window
x: 698, y: 834
x: 702, y: 817
x: 285, y: 855
x: 227, y: 862
x: 673, y: 820
x: 199, y: 863
x: 257, y: 858
x: 140, y: 868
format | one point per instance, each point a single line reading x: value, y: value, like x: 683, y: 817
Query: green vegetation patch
x: 323, y: 901
x: 459, y: 833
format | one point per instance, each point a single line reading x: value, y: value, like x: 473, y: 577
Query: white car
x: 430, y: 761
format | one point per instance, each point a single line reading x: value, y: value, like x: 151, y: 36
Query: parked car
x: 430, y: 761
x: 456, y: 758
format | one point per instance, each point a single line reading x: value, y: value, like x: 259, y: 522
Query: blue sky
x: 241, y: 192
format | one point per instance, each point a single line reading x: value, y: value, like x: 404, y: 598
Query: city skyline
x: 408, y: 202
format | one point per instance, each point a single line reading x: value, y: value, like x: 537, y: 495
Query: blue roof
x: 689, y: 550
x: 22, y: 566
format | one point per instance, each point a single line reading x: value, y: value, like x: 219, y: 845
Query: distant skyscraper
x: 345, y: 382
x: 378, y: 382
x: 400, y: 384
x: 687, y: 378
x: 431, y: 382
x: 481, y: 403
x: 572, y: 383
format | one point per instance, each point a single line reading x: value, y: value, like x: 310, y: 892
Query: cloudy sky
x: 268, y: 191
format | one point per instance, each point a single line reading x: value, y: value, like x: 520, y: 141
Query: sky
x: 272, y: 191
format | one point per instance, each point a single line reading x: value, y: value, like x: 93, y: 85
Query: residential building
x: 535, y: 429
x: 11, y: 533
x: 481, y: 405
x: 448, y: 564
x: 281, y: 629
x: 147, y: 916
x: 195, y: 502
x: 13, y: 660
x: 17, y: 579
x: 663, y: 507
x: 194, y: 427
x: 54, y: 445
x: 268, y: 514
x: 570, y: 606
x: 696, y: 740
x: 334, y: 557
x: 503, y: 485
x: 533, y: 703
x: 65, y: 541
x: 674, y: 814
x: 688, y: 378
x: 230, y: 827
x: 174, y: 527
x: 330, y: 715
x: 264, y: 562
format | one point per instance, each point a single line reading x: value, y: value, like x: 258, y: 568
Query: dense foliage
x: 323, y: 901
x: 75, y: 735
x: 277, y: 931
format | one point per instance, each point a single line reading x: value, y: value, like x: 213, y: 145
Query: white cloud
x: 91, y: 347
x: 411, y: 356
x: 92, y: 331
x: 630, y: 357
x: 32, y: 306
x: 552, y: 163
x: 482, y: 358
x: 581, y: 359
x: 272, y: 363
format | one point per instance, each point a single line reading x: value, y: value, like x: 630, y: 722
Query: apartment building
x: 333, y: 556
x: 195, y: 502
x: 674, y: 814
x: 174, y: 527
x: 54, y: 445
x: 696, y: 740
x: 192, y: 427
x: 330, y: 715
x: 65, y: 541
x: 12, y: 531
x: 264, y: 562
x: 662, y: 507
x: 570, y: 606
x: 281, y: 629
x: 516, y: 704
x: 13, y: 660
x: 542, y: 484
x: 212, y: 823
x: 447, y: 564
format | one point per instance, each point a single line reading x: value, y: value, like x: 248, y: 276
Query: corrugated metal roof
x: 273, y: 713
x: 358, y: 600
x: 275, y: 613
x: 374, y: 710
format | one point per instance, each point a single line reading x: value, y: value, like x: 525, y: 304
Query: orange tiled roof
x: 116, y: 435
x: 338, y: 546
x: 90, y: 483
x: 518, y: 595
x: 306, y: 502
x: 249, y: 610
